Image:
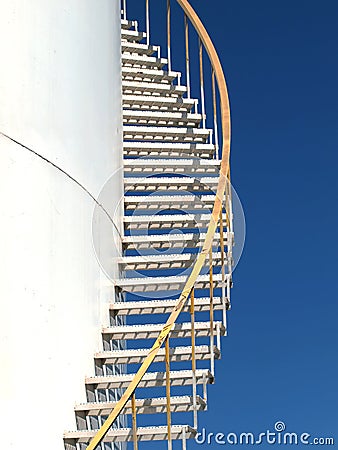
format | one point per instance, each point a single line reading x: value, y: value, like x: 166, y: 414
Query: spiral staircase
x: 177, y: 252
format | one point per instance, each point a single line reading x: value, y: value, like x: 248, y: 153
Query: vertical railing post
x: 224, y: 299
x: 218, y: 337
x: 148, y: 22
x: 202, y: 82
x: 169, y: 34
x: 230, y: 203
x: 125, y: 9
x: 215, y: 114
x: 229, y: 291
x: 229, y: 221
x: 184, y: 440
x: 205, y: 391
x: 187, y: 54
x: 133, y: 410
x: 193, y: 358
x: 167, y: 380
x: 212, y: 355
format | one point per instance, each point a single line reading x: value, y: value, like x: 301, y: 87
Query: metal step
x: 132, y: 35
x: 162, y: 241
x: 146, y: 74
x: 129, y: 59
x: 127, y: 24
x: 160, y: 433
x: 165, y: 222
x: 144, y: 88
x: 161, y: 306
x: 149, y: 380
x: 153, y: 201
x: 158, y: 102
x: 152, y: 330
x: 147, y: 284
x: 188, y: 184
x: 137, y: 356
x: 163, y: 262
x: 181, y: 134
x: 143, y: 406
x: 165, y: 149
x: 139, y: 49
x: 172, y: 165
x: 161, y: 118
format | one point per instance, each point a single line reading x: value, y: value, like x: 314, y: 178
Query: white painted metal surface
x: 60, y: 95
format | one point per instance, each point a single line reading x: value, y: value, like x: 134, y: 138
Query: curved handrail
x: 222, y: 86
x: 216, y: 212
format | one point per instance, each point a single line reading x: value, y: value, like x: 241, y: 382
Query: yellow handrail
x: 216, y: 212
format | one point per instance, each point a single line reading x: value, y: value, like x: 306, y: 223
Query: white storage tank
x: 60, y: 95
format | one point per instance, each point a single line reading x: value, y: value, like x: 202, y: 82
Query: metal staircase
x: 174, y: 175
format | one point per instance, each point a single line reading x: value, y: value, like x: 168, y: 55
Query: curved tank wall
x: 60, y: 94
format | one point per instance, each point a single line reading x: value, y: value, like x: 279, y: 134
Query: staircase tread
x: 144, y: 72
x: 169, y: 145
x: 141, y: 58
x: 159, y: 257
x: 142, y: 351
x: 162, y: 114
x: 158, y: 400
x: 179, y: 101
x: 166, y: 218
x: 141, y: 431
x: 160, y: 326
x: 154, y: 86
x: 174, y: 161
x: 167, y: 130
x: 132, y: 34
x: 128, y: 23
x: 152, y: 375
x: 139, y: 45
x: 153, y: 198
x: 166, y: 237
x: 155, y: 303
x: 170, y: 180
x: 150, y: 379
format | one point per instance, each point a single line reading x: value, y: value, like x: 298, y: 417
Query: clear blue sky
x: 280, y: 360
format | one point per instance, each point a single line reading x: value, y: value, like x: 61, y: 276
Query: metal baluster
x: 187, y: 56
x: 169, y: 34
x: 202, y: 83
x: 205, y: 390
x: 230, y: 203
x: 229, y: 221
x: 125, y: 9
x: 167, y: 382
x: 148, y: 22
x: 215, y: 114
x: 184, y: 440
x: 133, y: 408
x: 224, y: 300
x: 212, y: 355
x: 193, y: 360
